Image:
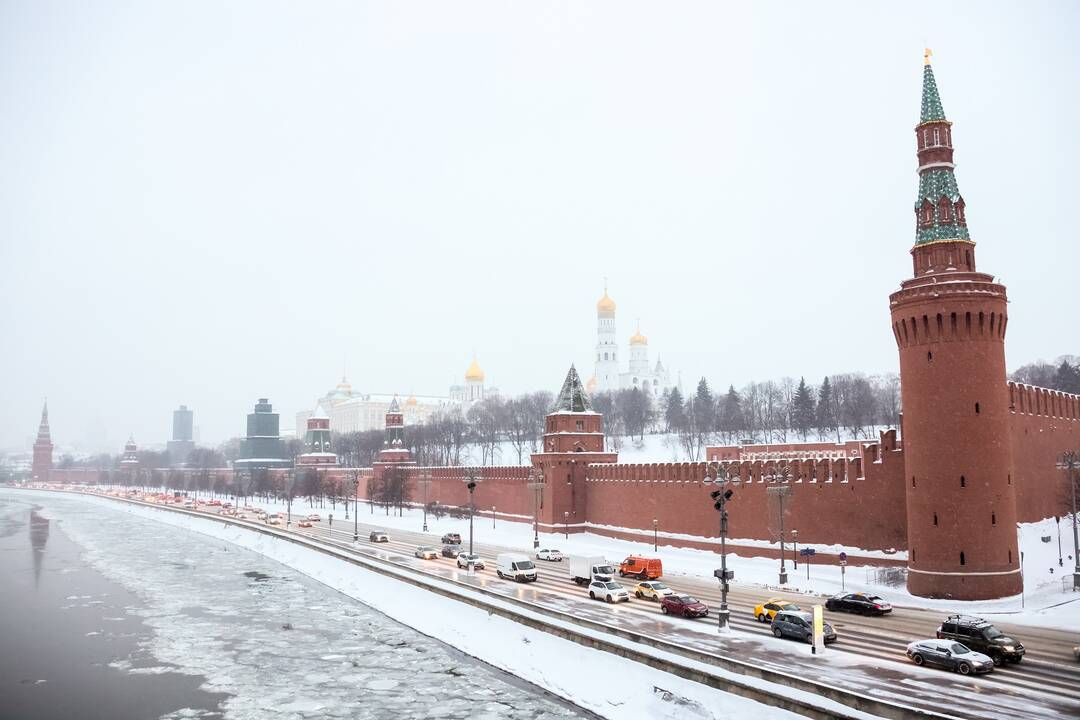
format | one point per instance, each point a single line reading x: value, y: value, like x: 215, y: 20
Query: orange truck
x: 641, y: 567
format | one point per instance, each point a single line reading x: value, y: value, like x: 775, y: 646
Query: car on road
x: 464, y: 558
x: 652, y: 590
x: 273, y: 520
x: 949, y: 654
x: 768, y: 609
x: 451, y: 550
x: 860, y: 603
x: 304, y: 523
x: 549, y: 555
x: 641, y: 567
x: 608, y: 590
x: 314, y: 517
x: 684, y: 605
x: 378, y: 536
x: 799, y: 624
x: 426, y: 552
x: 451, y: 539
x: 515, y: 566
x: 981, y: 636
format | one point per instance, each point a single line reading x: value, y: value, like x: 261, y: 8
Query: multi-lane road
x: 869, y: 656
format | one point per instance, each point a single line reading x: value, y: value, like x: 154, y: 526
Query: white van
x: 515, y: 566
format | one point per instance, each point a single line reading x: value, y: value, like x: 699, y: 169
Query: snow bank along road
x: 866, y: 669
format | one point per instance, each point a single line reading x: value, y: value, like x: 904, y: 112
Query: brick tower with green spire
x: 949, y: 322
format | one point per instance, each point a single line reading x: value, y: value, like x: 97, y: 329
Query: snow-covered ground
x: 313, y: 671
x: 1044, y: 603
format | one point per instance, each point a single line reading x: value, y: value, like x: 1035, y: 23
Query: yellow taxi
x: 768, y: 609
x: 652, y: 590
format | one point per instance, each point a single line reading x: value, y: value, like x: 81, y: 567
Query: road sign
x: 807, y: 551
x: 843, y: 557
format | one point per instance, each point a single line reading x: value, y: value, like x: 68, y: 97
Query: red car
x: 683, y: 605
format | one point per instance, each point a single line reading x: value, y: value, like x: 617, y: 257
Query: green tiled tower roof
x: 937, y: 182
x: 572, y: 397
x: 931, y: 101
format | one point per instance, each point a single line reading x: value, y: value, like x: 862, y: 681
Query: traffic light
x: 720, y: 497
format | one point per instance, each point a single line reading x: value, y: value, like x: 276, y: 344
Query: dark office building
x: 181, y: 445
x: 182, y: 421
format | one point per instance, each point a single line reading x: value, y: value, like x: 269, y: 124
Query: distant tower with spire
x: 394, y: 450
x: 43, y: 448
x: 606, y: 370
x: 949, y: 322
x: 129, y: 462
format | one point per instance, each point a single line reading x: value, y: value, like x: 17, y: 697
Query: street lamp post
x: 1057, y: 521
x: 536, y: 484
x: 425, y: 482
x: 655, y: 524
x: 355, y: 510
x: 720, y: 499
x: 288, y: 497
x: 1070, y: 463
x: 492, y: 517
x: 471, y: 481
x: 566, y: 524
x: 780, y: 474
x: 795, y: 548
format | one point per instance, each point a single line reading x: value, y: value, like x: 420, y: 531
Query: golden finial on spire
x: 926, y: 56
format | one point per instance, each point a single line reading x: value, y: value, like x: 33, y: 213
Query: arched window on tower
x: 937, y: 137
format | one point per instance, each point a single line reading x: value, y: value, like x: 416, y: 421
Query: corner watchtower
x: 573, y: 438
x: 949, y: 322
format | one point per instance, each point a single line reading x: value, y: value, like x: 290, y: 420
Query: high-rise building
x: 949, y: 322
x: 182, y: 444
x: 182, y: 421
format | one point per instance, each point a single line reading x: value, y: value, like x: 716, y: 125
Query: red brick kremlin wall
x: 850, y: 493
x: 1044, y: 423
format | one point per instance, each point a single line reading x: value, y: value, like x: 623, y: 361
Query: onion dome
x: 637, y: 338
x: 411, y: 402
x: 590, y: 387
x: 474, y: 373
x: 605, y: 306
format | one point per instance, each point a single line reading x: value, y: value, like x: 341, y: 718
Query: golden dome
x: 411, y: 402
x: 637, y: 338
x: 605, y: 305
x: 590, y: 387
x: 474, y: 372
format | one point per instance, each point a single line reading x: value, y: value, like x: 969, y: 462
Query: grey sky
x: 207, y: 203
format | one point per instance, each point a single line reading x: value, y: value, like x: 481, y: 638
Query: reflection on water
x: 39, y: 535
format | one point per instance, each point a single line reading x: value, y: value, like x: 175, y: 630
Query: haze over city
x: 208, y: 204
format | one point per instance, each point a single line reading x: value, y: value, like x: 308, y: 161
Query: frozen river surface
x: 273, y: 641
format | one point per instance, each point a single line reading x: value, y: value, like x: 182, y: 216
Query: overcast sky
x: 208, y: 203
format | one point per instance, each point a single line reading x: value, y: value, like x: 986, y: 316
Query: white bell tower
x: 607, y: 360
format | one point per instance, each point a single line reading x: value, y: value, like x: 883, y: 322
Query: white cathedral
x: 607, y: 376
